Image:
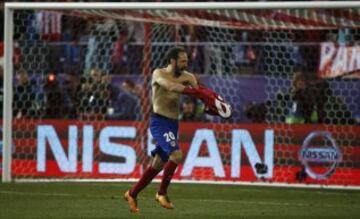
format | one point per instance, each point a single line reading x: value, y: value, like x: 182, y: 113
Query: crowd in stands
x: 83, y: 57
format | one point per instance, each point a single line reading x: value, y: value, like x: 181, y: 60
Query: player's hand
x: 214, y: 103
x: 218, y: 107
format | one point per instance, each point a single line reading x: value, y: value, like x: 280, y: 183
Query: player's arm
x: 193, y: 81
x: 166, y: 83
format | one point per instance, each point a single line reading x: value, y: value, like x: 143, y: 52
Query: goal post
x: 252, y: 53
x: 8, y: 91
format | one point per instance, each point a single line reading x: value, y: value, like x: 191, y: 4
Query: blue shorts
x: 164, y: 130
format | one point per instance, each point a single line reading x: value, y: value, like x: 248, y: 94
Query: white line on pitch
x: 37, y: 194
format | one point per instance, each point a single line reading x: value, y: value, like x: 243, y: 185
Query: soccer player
x: 167, y: 85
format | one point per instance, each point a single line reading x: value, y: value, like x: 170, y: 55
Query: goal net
x: 81, y: 93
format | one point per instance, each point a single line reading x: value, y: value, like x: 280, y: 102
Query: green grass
x: 104, y: 200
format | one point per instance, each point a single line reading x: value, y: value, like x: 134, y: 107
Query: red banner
x: 339, y: 60
x: 315, y: 154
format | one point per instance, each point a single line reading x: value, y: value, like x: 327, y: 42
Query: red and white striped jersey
x: 48, y: 25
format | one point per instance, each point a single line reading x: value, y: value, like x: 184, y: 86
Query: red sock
x: 146, y: 178
x: 169, y: 171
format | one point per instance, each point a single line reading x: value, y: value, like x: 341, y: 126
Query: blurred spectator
x: 243, y: 54
x: 329, y: 109
x: 71, y: 83
x: 256, y: 113
x: 119, y: 54
x: 17, y: 60
x: 96, y: 75
x: 93, y: 96
x: 127, y: 105
x: 303, y: 101
x: 189, y: 35
x: 136, y: 31
x: 133, y: 88
x: 135, y: 46
x: 310, y: 52
x: 73, y: 30
x: 344, y: 36
x: 25, y: 97
x: 111, y: 91
x: 189, y: 112
x: 101, y: 40
x: 55, y: 106
x: 309, y: 95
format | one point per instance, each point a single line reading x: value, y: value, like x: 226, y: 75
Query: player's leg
x: 169, y: 170
x: 149, y: 174
x: 154, y: 168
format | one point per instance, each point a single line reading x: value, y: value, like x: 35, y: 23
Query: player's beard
x: 178, y: 71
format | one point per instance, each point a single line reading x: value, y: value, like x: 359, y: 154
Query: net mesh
x: 292, y: 71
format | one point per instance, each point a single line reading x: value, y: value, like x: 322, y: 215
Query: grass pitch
x: 104, y: 200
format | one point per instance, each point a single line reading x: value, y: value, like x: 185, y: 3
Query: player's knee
x: 157, y: 163
x: 176, y: 157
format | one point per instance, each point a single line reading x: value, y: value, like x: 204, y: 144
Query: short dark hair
x: 173, y: 53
